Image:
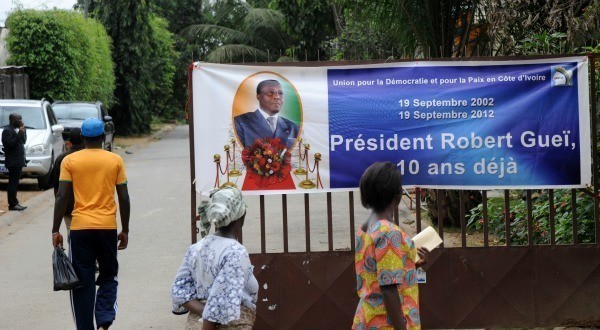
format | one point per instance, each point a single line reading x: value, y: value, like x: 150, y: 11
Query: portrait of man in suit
x: 266, y: 121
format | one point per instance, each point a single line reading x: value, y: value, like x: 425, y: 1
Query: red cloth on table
x: 253, y: 181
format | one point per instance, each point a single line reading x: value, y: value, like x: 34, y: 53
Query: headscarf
x: 223, y: 207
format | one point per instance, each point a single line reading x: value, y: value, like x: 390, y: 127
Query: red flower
x: 268, y: 158
x: 276, y: 166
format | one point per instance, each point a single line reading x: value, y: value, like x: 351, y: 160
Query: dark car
x: 72, y: 114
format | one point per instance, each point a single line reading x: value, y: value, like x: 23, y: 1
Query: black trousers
x: 14, y: 175
x: 87, y: 246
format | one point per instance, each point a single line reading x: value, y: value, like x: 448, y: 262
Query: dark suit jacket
x: 14, y: 147
x: 55, y: 176
x: 252, y: 125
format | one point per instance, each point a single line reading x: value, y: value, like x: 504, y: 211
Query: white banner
x: 458, y: 125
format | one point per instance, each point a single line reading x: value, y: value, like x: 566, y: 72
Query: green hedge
x: 162, y: 70
x: 68, y: 56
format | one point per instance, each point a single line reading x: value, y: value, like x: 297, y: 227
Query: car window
x: 75, y: 111
x: 51, y: 117
x: 33, y: 117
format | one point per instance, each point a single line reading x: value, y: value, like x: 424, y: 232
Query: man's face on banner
x: 270, y: 98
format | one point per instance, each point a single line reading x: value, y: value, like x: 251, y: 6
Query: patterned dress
x: 216, y: 270
x: 385, y: 255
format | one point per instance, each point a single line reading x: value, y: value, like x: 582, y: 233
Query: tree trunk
x: 450, y: 202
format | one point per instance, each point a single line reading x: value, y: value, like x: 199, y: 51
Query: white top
x: 218, y: 270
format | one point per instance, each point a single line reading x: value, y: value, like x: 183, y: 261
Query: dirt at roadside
x: 28, y: 188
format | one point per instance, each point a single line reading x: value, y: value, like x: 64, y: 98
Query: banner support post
x: 194, y: 228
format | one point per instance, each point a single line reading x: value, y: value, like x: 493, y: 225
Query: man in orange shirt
x: 92, y: 175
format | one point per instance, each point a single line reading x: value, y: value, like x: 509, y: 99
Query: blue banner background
x: 519, y: 106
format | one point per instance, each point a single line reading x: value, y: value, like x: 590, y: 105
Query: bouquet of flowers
x: 267, y: 160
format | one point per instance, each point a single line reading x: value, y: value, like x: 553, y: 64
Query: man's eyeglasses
x: 273, y: 93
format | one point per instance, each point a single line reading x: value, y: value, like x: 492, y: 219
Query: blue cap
x: 92, y: 127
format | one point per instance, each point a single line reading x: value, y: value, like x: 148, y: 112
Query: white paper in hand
x: 427, y: 238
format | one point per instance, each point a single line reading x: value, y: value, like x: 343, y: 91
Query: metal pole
x: 595, y: 167
x: 194, y: 228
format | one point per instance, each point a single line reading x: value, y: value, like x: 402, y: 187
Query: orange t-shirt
x: 94, y: 173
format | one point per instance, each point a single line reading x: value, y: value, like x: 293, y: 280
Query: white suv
x: 44, y: 137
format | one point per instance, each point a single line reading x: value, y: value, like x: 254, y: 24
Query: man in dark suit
x: 13, y: 140
x: 76, y: 141
x: 266, y: 122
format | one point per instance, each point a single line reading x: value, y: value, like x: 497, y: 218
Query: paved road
x: 158, y: 177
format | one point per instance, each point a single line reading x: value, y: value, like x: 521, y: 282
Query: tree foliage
x: 544, y: 43
x: 180, y: 13
x: 234, y: 31
x: 128, y: 23
x: 308, y: 24
x: 162, y: 70
x: 574, y: 22
x: 68, y: 56
x: 457, y: 28
x: 364, y: 39
x: 419, y: 28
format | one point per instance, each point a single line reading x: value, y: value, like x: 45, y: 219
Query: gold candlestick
x: 300, y: 170
x: 217, y: 160
x: 306, y: 183
x: 234, y: 172
x: 317, y: 161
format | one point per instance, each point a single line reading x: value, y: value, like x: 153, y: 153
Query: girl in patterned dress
x: 215, y: 282
x: 385, y: 257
